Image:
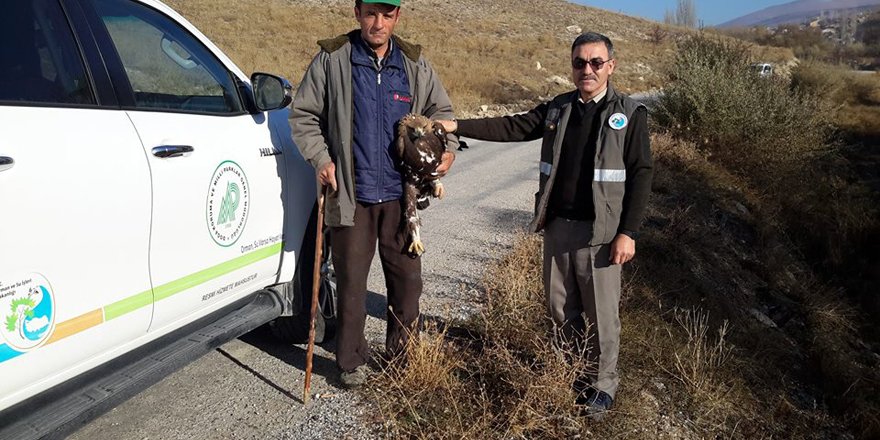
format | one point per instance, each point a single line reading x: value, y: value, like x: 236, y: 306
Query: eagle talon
x: 439, y: 190
x: 417, y: 248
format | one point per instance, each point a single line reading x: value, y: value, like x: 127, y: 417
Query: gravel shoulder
x: 251, y: 387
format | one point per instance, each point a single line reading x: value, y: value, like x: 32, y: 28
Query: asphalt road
x: 252, y: 387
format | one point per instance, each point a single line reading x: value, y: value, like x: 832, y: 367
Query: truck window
x: 167, y: 67
x: 39, y: 58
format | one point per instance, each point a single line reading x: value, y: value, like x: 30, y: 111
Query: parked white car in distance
x: 762, y: 69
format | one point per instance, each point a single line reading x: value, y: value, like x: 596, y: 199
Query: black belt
x: 570, y: 213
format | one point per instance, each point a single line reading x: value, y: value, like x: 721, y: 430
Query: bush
x: 758, y: 127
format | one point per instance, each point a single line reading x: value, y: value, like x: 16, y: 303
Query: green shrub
x: 776, y: 135
x: 758, y: 127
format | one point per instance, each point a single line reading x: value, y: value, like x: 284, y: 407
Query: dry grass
x: 515, y: 310
x: 513, y: 380
x: 701, y: 358
x: 695, y: 362
x: 857, y: 95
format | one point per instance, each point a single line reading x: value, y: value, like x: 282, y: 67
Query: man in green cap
x: 344, y: 121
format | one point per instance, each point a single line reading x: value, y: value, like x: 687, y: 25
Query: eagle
x: 420, y: 145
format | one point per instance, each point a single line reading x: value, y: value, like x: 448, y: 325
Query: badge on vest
x: 618, y: 121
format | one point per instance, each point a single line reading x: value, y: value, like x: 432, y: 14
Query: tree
x: 685, y: 14
x: 869, y: 31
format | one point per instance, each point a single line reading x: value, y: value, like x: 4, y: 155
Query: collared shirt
x: 596, y: 98
x: 378, y: 62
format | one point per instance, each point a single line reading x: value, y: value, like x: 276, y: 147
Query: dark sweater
x: 572, y: 196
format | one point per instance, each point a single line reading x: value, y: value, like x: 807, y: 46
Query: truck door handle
x: 168, y: 151
x: 6, y: 163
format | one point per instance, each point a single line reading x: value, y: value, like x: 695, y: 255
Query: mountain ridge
x: 797, y: 11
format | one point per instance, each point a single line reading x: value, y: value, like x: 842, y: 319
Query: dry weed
x: 424, y: 389
x: 515, y: 312
x: 699, y: 361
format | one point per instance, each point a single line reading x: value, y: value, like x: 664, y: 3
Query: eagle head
x: 415, y: 126
x: 421, y: 144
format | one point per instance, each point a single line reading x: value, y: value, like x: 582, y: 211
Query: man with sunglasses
x: 344, y: 121
x: 595, y: 179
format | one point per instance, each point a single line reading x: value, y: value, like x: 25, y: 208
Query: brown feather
x: 420, y: 145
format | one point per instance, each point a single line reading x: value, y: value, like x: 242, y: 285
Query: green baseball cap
x: 387, y: 2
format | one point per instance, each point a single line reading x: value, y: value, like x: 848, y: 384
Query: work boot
x: 355, y: 378
x: 594, y: 403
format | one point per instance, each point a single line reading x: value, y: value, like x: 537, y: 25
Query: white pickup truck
x: 152, y: 206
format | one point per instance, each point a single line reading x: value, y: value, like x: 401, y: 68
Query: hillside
x: 487, y: 52
x: 798, y: 11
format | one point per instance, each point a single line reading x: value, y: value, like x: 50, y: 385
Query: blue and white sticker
x: 618, y: 121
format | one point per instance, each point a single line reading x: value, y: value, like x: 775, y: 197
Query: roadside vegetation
x: 735, y: 322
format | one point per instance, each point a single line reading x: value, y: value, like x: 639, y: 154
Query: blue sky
x: 712, y: 12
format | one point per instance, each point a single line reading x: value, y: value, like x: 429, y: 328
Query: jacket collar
x: 362, y: 54
x: 411, y: 51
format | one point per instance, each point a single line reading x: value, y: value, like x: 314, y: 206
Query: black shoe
x: 355, y: 378
x: 594, y: 403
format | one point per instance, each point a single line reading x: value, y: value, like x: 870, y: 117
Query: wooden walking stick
x: 316, y: 288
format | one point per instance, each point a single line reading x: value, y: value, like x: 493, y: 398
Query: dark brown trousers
x: 353, y: 249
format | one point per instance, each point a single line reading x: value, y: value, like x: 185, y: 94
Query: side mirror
x: 271, y: 92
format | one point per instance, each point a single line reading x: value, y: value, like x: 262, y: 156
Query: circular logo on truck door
x: 27, y: 307
x: 228, y: 203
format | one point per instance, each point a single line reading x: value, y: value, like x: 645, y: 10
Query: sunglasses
x: 580, y: 63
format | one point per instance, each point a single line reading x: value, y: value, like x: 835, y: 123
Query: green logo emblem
x: 228, y: 203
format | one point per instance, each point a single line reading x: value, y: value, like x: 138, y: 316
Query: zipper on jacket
x: 380, y: 116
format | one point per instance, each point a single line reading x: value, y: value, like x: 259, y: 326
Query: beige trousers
x: 582, y: 288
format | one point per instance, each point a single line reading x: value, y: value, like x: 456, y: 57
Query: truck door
x: 217, y: 212
x: 74, y: 210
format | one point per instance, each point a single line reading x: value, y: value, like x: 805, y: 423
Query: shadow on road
x: 295, y: 354
x: 506, y: 219
x: 291, y: 354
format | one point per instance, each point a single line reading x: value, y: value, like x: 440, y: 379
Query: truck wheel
x: 295, y: 329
